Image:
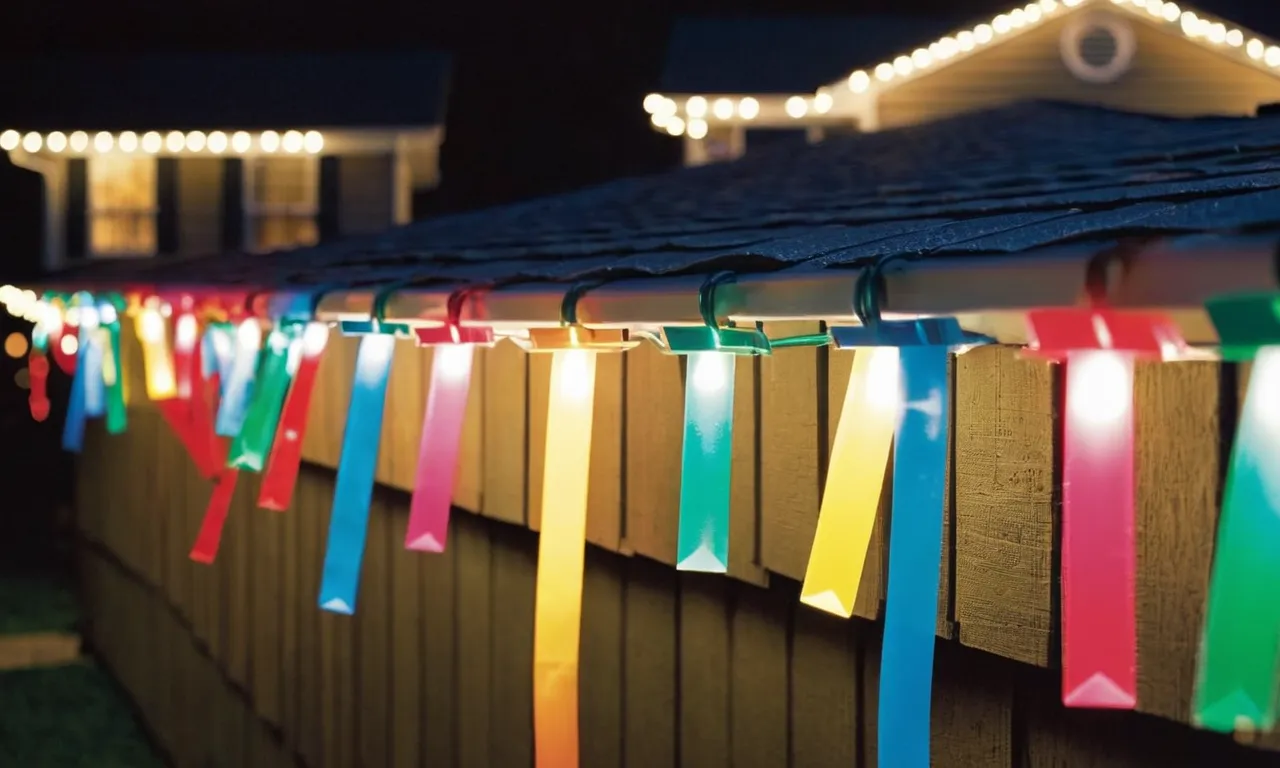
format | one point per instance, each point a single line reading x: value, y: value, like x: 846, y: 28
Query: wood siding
x: 999, y: 563
x: 1170, y: 75
x: 200, y: 197
x: 233, y: 665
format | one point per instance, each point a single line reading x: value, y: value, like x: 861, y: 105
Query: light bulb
x: 217, y: 142
x: 748, y: 108
x: 822, y: 103
x: 151, y: 142
x: 575, y: 382
x: 150, y: 326
x: 103, y: 142
x: 249, y: 335
x: 653, y: 102
x: 241, y: 142
x: 184, y: 333
x: 175, y: 141
x: 10, y: 140
x: 454, y: 360
x: 903, y: 66
x: 313, y: 142
x: 696, y: 106
x: 32, y: 142
x: 1108, y: 392
x: 709, y: 372
x: 675, y: 126
x: 313, y: 339
x: 196, y: 141
x: 269, y: 141
x: 884, y: 72
x: 70, y: 345
x: 57, y: 141
x: 128, y: 142
x: 859, y: 82
x: 292, y: 142
x: 796, y: 107
x: 722, y: 108
x: 697, y: 129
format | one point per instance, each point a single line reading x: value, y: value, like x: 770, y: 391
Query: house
x: 728, y: 79
x: 195, y: 153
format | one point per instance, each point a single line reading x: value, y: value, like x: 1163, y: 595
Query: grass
x: 35, y: 604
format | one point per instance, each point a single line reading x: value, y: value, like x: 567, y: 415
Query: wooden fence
x: 678, y: 669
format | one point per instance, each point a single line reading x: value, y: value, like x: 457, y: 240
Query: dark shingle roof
x: 1004, y: 181
x: 223, y: 90
x: 789, y: 54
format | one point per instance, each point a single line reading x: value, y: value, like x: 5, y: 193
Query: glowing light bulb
x: 152, y: 142
x: 185, y: 332
x: 659, y: 121
x: 1255, y: 49
x: 921, y: 58
x: 57, y: 141
x: 103, y: 142
x: 292, y: 142
x: 884, y: 72
x: 577, y: 379
x: 69, y: 345
x: 983, y: 34
x: 1001, y: 24
x: 696, y: 106
x: 859, y: 82
x: 903, y: 66
x: 1272, y: 57
x: 196, y: 141
x: 748, y: 108
x: 176, y: 141
x: 32, y: 142
x: 822, y: 103
x: 454, y: 360
x: 150, y: 326
x: 128, y: 142
x: 217, y: 142
x: 313, y: 142
x: 675, y: 126
x: 796, y: 107
x: 653, y: 102
x: 269, y: 141
x: 241, y: 142
x: 709, y: 376
x: 10, y: 140
x: 1235, y: 38
x: 696, y: 129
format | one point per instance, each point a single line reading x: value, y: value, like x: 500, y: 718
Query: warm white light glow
x: 108, y: 313
x: 1235, y: 38
x: 249, y: 335
x: 454, y: 360
x: 1001, y: 24
x: 73, y: 315
x: 1171, y: 12
x: 748, y: 108
x: 151, y: 326
x: 103, y: 142
x: 696, y: 106
x: 217, y: 142
x: 241, y: 142
x: 1217, y: 33
x: 859, y: 82
x: 722, y: 108
x: 575, y: 376
x: 1272, y: 57
x: 32, y: 142
x: 88, y: 318
x: 313, y: 142
x: 983, y: 34
x: 314, y: 338
x: 822, y: 103
x: 653, y: 102
x: 196, y: 141
x: 884, y: 72
x: 151, y: 142
x: 269, y: 141
x: 176, y: 141
x: 696, y: 129
x: 1255, y: 48
x: 292, y: 142
x: 185, y: 333
x: 903, y: 66
x: 709, y: 375
x: 10, y: 140
x: 796, y: 107
x: 1189, y: 23
x: 921, y: 58
x: 660, y: 120
x: 57, y: 141
x: 128, y: 142
x: 1109, y: 392
x: 70, y: 345
x: 1265, y: 377
x: 675, y: 126
x: 882, y: 376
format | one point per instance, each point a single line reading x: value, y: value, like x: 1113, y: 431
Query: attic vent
x: 1098, y: 48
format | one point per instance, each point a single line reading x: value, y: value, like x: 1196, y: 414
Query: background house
x: 190, y: 154
x: 729, y: 82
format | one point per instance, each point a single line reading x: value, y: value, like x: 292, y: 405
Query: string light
x: 748, y: 108
x: 173, y: 142
x: 56, y: 141
x: 10, y: 140
x: 128, y: 142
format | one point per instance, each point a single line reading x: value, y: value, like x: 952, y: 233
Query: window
x: 122, y: 205
x: 281, y: 202
x: 1098, y: 48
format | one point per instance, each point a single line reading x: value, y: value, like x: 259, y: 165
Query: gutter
x: 988, y: 294
x: 52, y: 180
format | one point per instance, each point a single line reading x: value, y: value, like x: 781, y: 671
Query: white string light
x: 173, y: 142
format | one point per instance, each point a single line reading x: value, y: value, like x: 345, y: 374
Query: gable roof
x: 929, y: 55
x: 1026, y: 179
x: 783, y: 54
x: 224, y: 90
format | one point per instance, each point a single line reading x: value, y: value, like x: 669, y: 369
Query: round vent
x: 1098, y: 48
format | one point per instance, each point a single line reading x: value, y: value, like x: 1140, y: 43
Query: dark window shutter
x: 330, y: 198
x: 77, y: 209
x: 167, y: 206
x: 233, y: 223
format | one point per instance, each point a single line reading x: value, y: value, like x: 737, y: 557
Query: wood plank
x: 825, y: 691
x: 373, y: 640
x: 236, y: 565
x: 650, y: 665
x: 407, y: 717
x: 704, y: 671
x: 402, y: 428
x: 871, y: 589
x: 438, y: 650
x: 759, y: 680
x: 292, y: 603
x: 947, y: 574
x: 468, y: 489
x: 505, y: 432
x: 1177, y: 461
x: 744, y: 501
x: 606, y: 483
x: 267, y: 603
x: 539, y: 398
x: 1006, y: 490
x: 654, y: 431
x: 972, y: 713
x: 601, y: 665
x: 474, y: 635
x: 793, y: 401
x: 514, y: 563
x: 312, y: 516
